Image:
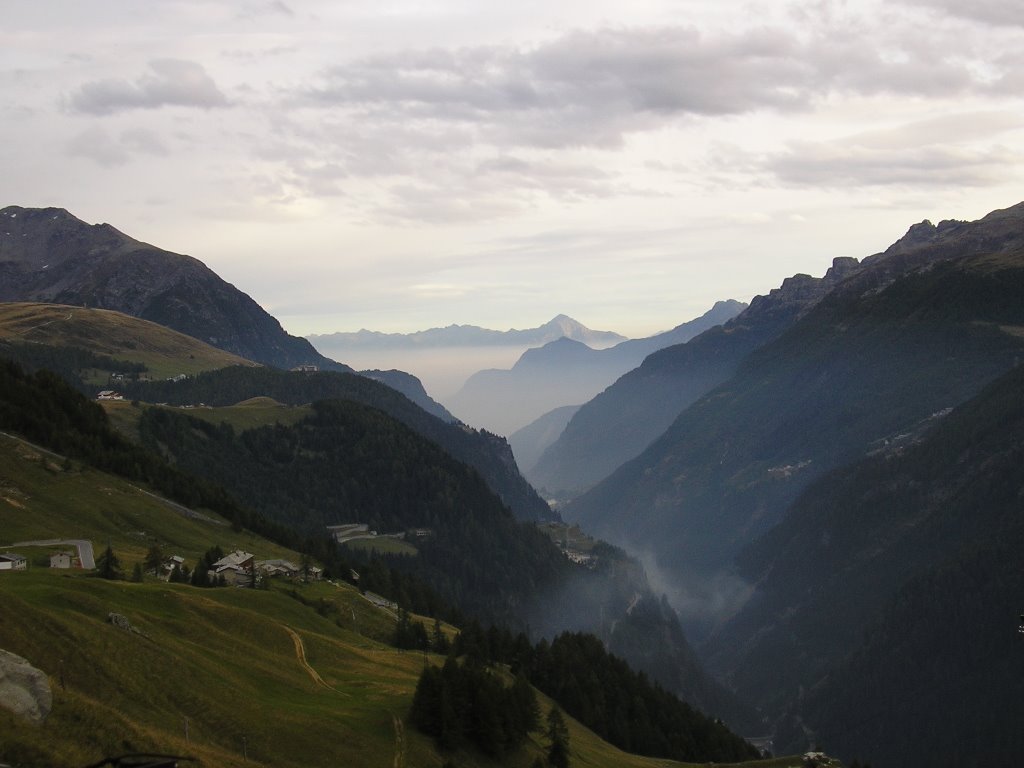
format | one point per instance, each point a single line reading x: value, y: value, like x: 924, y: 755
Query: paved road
x: 85, y: 554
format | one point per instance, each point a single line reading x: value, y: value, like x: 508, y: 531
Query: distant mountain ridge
x: 564, y: 372
x: 472, y: 336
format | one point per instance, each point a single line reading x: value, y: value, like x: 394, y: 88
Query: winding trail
x: 399, y: 741
x: 300, y: 654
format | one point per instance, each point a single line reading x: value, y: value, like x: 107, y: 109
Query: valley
x: 777, y: 519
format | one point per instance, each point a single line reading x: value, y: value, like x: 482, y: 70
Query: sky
x: 404, y: 165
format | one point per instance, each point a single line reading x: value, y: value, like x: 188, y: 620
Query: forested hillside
x: 487, y: 453
x: 891, y: 593
x: 349, y: 463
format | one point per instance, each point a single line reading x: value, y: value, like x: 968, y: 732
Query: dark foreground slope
x: 876, y: 359
x: 51, y: 256
x: 890, y: 595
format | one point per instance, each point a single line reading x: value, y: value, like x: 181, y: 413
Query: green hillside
x: 227, y: 661
x: 163, y: 352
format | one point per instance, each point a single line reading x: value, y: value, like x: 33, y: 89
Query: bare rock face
x: 24, y: 690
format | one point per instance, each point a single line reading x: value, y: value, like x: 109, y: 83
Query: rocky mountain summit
x: 49, y: 255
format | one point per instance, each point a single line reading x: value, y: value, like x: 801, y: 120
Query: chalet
x: 236, y: 569
x: 238, y: 557
x: 305, y: 369
x: 60, y: 560
x: 109, y: 394
x: 11, y: 561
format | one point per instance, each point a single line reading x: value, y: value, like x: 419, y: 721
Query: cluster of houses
x: 237, y: 569
x: 234, y: 569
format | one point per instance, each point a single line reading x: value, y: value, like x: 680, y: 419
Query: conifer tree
x: 107, y: 565
x: 558, y: 735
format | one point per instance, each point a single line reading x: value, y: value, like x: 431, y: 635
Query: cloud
x: 592, y: 88
x: 97, y: 145
x: 940, y: 152
x: 584, y: 89
x: 996, y: 12
x: 101, y: 147
x: 170, y: 82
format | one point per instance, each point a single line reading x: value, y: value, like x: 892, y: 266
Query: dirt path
x: 399, y: 741
x: 300, y: 654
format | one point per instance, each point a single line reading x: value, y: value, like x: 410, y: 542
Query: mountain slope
x: 872, y: 361
x: 49, y: 255
x: 259, y: 675
x: 530, y: 442
x: 487, y: 453
x: 897, y: 576
x: 162, y: 351
x: 563, y: 372
x: 622, y: 420
x: 340, y: 460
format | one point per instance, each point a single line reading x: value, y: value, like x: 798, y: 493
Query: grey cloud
x: 843, y: 164
x: 995, y: 12
x: 145, y: 141
x: 591, y: 89
x: 582, y: 76
x: 98, y: 145
x: 170, y: 82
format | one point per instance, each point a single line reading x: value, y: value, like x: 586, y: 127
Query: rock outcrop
x: 24, y: 690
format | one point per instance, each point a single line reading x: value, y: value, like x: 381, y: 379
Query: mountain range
x: 563, y: 372
x: 836, y: 516
x: 560, y: 326
x: 903, y: 336
x: 626, y: 417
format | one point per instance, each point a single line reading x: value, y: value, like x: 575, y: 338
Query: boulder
x: 24, y: 690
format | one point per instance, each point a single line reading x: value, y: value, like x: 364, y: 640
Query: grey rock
x: 24, y: 690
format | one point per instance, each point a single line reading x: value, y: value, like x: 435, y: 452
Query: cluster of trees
x: 469, y: 703
x: 601, y: 691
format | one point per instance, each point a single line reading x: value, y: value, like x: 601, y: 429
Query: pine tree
x: 558, y: 735
x: 107, y: 565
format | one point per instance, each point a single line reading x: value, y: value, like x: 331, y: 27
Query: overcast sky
x: 403, y: 165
